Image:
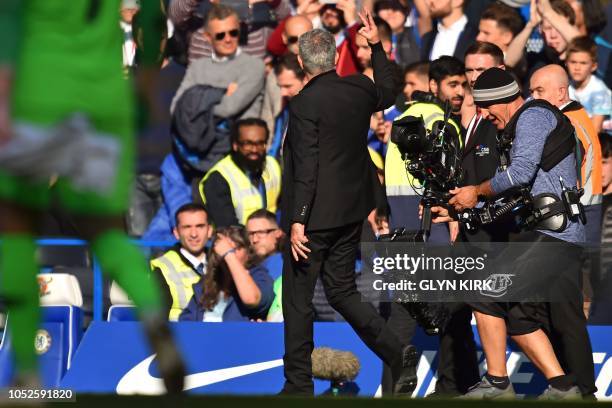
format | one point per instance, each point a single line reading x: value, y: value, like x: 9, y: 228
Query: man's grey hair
x: 317, y: 48
x: 219, y: 12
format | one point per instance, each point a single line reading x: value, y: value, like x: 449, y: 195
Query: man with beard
x: 457, y: 365
x: 447, y: 82
x: 452, y: 34
x: 198, y: 145
x: 340, y: 19
x: 243, y: 181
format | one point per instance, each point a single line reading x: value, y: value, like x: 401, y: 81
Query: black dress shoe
x: 405, y: 381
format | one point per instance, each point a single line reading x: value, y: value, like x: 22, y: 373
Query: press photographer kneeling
x: 542, y: 161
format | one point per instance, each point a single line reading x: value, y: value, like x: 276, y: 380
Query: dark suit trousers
x: 457, y: 362
x: 567, y: 329
x: 571, y: 343
x: 333, y: 254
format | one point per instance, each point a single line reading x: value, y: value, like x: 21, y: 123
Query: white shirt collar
x: 216, y: 58
x: 192, y: 259
x: 457, y: 26
x: 125, y: 26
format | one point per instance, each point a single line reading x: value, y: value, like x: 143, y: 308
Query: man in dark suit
x: 480, y: 152
x: 329, y: 186
x: 453, y: 32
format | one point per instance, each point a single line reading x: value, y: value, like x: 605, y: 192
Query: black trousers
x: 457, y: 361
x: 332, y: 257
x: 567, y: 329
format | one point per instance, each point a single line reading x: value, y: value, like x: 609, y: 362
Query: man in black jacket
x: 451, y: 33
x: 405, y: 49
x: 328, y: 190
x: 481, y: 158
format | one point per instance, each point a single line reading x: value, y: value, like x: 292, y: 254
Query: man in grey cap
x: 542, y: 152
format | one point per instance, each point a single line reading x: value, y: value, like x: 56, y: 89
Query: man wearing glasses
x: 241, y: 74
x: 243, y: 181
x: 266, y: 238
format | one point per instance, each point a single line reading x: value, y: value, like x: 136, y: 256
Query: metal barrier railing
x: 98, y: 282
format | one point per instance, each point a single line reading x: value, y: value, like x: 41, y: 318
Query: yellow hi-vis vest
x: 398, y: 181
x: 180, y: 278
x: 246, y: 198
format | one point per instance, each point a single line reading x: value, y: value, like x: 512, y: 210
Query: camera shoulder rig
x: 560, y: 143
x: 544, y: 211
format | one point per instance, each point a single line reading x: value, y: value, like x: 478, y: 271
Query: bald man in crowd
x: 294, y: 27
x: 273, y: 100
x: 567, y: 321
x: 551, y: 84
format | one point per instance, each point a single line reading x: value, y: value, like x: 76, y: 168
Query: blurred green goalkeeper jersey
x: 67, y: 57
x: 69, y: 60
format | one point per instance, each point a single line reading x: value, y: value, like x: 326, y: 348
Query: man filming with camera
x: 542, y: 159
x: 457, y: 364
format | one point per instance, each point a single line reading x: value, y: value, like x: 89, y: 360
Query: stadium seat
x: 122, y: 308
x: 59, y: 289
x: 62, y: 324
x: 75, y: 260
x: 60, y: 332
x: 6, y: 362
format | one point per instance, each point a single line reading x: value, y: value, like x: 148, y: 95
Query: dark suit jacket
x: 328, y: 177
x: 407, y: 48
x: 480, y: 155
x: 466, y: 38
x: 479, y: 163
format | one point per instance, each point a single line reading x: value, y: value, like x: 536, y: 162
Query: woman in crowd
x: 234, y: 287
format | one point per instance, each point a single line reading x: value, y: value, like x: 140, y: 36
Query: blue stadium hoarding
x: 246, y: 359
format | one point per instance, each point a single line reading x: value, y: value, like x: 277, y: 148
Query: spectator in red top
x: 340, y: 19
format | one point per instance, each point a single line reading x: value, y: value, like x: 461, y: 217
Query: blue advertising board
x: 246, y: 358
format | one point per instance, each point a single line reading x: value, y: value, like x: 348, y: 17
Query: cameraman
x: 457, y: 364
x: 542, y: 153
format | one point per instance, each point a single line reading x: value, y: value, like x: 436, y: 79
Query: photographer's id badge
x: 482, y: 150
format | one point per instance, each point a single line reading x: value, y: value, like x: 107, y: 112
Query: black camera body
x: 432, y: 157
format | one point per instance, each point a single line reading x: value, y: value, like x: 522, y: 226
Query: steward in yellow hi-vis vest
x: 402, y: 197
x: 246, y: 197
x: 180, y: 276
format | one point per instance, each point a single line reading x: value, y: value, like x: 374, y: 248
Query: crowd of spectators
x: 229, y: 69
